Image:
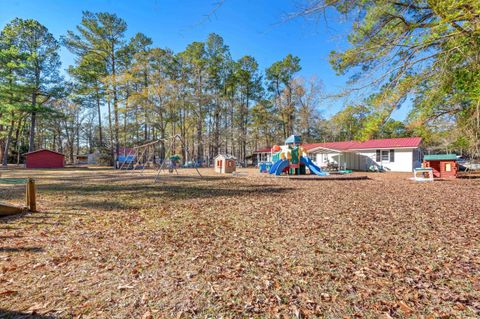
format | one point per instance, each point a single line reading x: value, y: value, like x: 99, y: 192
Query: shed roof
x: 226, y: 156
x: 43, y: 150
x: 440, y: 157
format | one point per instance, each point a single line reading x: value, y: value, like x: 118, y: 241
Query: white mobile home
x: 395, y: 154
x: 261, y: 155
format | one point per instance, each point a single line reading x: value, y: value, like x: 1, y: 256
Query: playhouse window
x: 448, y: 167
x: 392, y: 155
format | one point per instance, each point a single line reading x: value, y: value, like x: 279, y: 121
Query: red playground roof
x: 402, y: 142
x: 263, y: 150
x: 338, y: 146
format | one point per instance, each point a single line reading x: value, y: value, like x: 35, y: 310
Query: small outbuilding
x: 44, y: 159
x: 443, y: 165
x: 225, y: 164
x: 92, y: 158
x: 80, y: 159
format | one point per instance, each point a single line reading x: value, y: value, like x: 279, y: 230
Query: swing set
x: 143, y: 156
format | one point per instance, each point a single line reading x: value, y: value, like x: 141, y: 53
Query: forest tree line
x: 123, y: 92
x: 423, y: 52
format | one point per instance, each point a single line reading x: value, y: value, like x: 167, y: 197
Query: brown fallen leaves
x: 406, y: 309
x: 116, y: 245
x: 8, y: 292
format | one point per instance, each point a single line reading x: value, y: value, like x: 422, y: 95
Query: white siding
x: 405, y: 160
x: 321, y: 159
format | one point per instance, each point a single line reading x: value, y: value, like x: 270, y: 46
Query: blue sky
x: 249, y: 27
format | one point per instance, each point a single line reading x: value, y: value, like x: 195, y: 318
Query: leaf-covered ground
x: 117, y: 245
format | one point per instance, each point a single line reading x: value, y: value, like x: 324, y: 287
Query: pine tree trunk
x: 110, y: 123
x: 31, y: 139
x: 99, y: 113
x: 18, y: 140
x: 199, y: 122
x: 7, y: 142
x: 115, y: 105
x: 125, y: 121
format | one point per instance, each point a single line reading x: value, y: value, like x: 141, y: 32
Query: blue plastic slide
x: 281, y: 166
x: 274, y: 167
x: 312, y: 167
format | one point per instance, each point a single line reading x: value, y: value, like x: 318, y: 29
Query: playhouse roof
x: 225, y: 156
x: 440, y: 157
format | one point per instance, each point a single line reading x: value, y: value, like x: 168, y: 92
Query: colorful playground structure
x: 291, y: 159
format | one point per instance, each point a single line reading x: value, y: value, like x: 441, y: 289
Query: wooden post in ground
x: 27, y: 195
x: 31, y: 195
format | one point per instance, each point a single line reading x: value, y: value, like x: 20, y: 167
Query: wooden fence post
x: 31, y: 195
x: 27, y: 195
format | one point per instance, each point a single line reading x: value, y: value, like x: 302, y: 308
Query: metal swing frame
x: 168, y: 153
x: 139, y: 153
x: 149, y: 149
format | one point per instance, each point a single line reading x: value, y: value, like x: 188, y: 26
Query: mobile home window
x: 385, y: 157
x: 392, y: 155
x: 378, y: 156
x: 322, y: 158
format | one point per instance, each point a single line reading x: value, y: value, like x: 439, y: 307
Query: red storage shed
x: 443, y: 165
x: 44, y: 159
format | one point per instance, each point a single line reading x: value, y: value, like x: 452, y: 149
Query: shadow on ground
x: 203, y: 191
x: 7, y: 314
x: 170, y: 192
x: 469, y: 176
x: 20, y: 250
x: 123, y: 191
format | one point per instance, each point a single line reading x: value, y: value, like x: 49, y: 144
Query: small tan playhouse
x: 224, y: 164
